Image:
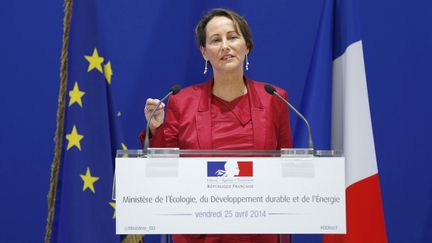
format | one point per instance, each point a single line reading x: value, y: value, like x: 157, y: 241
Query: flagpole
x: 55, y: 166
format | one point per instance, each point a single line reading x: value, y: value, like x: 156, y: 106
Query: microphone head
x: 175, y: 89
x: 270, y: 89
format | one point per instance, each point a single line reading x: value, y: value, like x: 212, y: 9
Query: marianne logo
x: 229, y: 168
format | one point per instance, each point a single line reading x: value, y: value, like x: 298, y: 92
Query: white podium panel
x: 230, y: 195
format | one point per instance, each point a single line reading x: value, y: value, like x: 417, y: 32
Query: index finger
x: 151, y: 101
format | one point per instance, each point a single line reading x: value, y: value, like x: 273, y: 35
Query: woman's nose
x: 224, y: 44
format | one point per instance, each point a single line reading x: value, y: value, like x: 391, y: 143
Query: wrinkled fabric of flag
x: 336, y: 102
x: 85, y: 210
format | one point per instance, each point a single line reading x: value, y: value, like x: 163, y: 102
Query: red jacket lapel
x: 203, y: 117
x: 258, y: 117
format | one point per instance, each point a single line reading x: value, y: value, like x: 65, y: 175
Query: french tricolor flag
x: 337, y: 105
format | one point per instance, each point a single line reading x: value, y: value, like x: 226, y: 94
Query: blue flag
x: 84, y: 209
x: 316, y: 99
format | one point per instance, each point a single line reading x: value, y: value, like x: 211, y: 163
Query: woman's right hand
x: 158, y: 116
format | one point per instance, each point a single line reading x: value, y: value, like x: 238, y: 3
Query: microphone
x: 173, y: 91
x: 271, y: 90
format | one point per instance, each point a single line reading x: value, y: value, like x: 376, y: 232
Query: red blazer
x: 188, y: 126
x: 188, y: 119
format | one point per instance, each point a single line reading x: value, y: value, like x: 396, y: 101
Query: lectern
x: 172, y: 191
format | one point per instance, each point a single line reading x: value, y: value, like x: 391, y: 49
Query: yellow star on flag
x: 108, y: 72
x: 113, y: 204
x: 124, y: 148
x: 75, y: 95
x: 74, y: 139
x: 89, y: 180
x: 95, y: 61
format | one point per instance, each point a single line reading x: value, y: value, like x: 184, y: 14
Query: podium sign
x: 217, y: 195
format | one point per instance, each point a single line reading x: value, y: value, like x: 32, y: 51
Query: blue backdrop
x: 397, y: 42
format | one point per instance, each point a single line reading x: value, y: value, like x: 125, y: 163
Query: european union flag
x: 84, y: 210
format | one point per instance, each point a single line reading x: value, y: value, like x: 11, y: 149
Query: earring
x: 205, y: 67
x: 247, y: 63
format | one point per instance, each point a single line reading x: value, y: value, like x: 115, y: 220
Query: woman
x: 229, y: 111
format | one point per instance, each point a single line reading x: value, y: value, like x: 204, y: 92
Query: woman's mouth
x: 227, y: 57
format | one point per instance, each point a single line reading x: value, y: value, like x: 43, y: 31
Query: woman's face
x: 225, y: 48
